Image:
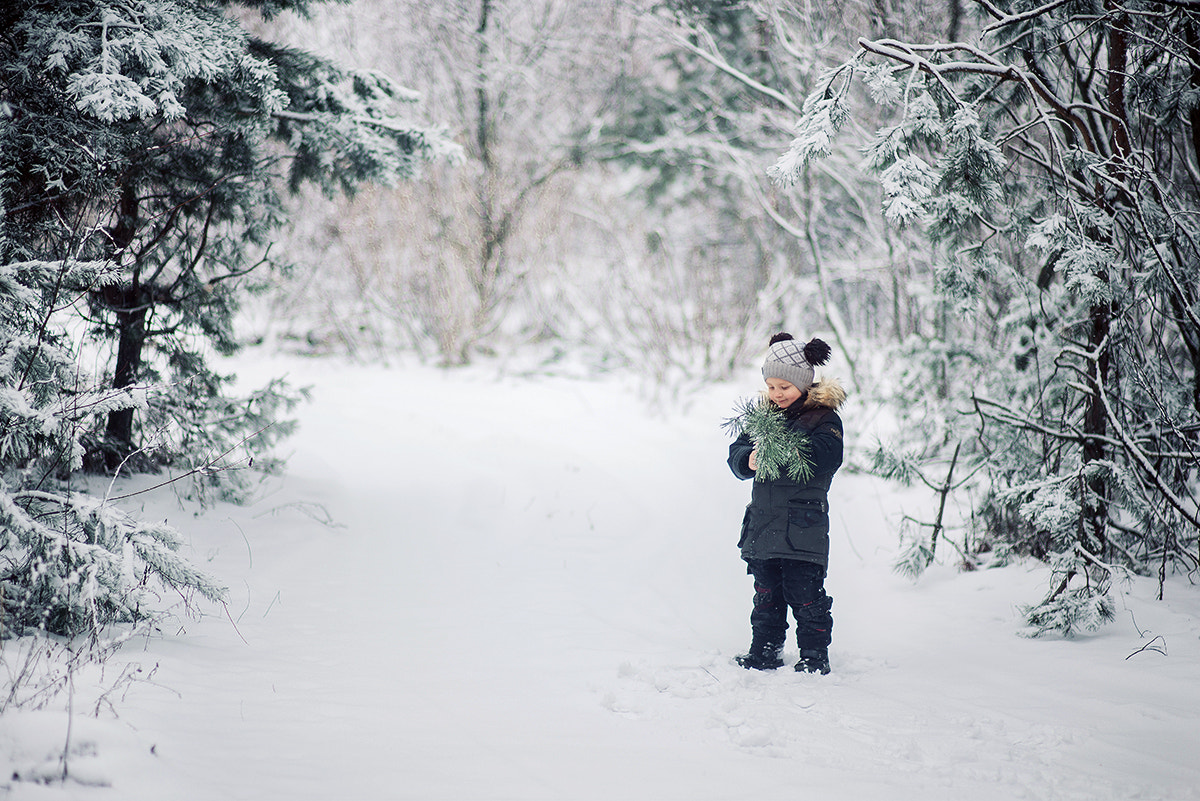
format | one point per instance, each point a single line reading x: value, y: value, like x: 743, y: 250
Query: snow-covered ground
x: 530, y: 590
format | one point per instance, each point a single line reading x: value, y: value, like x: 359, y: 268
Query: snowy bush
x: 74, y: 563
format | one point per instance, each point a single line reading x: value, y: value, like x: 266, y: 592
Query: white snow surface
x: 531, y: 590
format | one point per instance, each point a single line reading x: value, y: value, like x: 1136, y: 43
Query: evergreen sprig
x: 780, y: 448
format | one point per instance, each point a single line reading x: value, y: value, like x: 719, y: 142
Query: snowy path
x: 534, y: 594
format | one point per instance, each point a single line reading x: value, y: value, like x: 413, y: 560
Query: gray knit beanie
x: 793, y: 361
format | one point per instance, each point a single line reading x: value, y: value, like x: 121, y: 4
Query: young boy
x: 785, y: 532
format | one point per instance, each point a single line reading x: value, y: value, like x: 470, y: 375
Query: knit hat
x: 792, y: 361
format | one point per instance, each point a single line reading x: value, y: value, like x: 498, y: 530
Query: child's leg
x: 803, y: 586
x: 768, y: 620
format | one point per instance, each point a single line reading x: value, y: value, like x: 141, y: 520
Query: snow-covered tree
x: 144, y: 146
x: 1052, y: 161
x: 70, y: 562
x: 442, y: 264
x: 706, y: 119
x: 158, y: 135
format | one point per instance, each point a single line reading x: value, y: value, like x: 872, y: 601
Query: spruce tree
x: 144, y: 147
x: 158, y: 135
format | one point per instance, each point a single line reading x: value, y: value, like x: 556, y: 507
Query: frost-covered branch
x: 984, y: 64
x: 1004, y: 20
x: 714, y: 57
x: 1186, y: 510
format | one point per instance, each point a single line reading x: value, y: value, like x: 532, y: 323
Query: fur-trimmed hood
x: 828, y: 392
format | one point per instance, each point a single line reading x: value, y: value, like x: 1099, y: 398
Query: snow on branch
x: 983, y: 64
x: 713, y: 56
x: 825, y: 111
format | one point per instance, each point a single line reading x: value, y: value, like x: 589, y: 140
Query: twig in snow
x: 1150, y: 646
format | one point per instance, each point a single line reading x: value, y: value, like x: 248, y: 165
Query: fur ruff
x: 827, y: 392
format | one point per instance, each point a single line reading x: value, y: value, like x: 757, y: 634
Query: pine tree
x: 158, y: 135
x: 780, y: 449
x: 144, y: 147
x: 1052, y: 166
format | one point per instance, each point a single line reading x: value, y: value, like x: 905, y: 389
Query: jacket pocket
x: 745, y: 528
x: 807, y: 514
x: 808, y: 526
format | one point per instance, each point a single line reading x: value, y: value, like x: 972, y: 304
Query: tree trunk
x: 955, y: 20
x: 491, y: 239
x: 1118, y: 55
x: 1095, y: 422
x: 1189, y: 335
x: 1191, y: 338
x: 1192, y: 37
x: 131, y: 338
x: 1095, y: 428
x: 130, y: 311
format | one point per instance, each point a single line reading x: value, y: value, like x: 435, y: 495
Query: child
x: 785, y: 532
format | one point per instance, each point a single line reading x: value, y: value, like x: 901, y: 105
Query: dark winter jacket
x: 788, y: 519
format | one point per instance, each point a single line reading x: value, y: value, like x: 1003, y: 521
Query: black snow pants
x: 783, y: 583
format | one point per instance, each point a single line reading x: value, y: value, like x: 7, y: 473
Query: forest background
x: 997, y: 235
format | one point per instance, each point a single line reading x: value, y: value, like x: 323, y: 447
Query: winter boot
x: 813, y: 662
x: 762, y: 656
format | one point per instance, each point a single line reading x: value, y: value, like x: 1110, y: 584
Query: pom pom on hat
x: 793, y: 361
x: 816, y: 352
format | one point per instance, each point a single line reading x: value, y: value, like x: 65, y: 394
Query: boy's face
x: 782, y: 393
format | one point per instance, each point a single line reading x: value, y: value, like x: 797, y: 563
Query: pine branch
x: 779, y: 449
